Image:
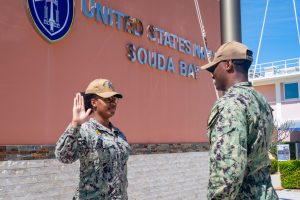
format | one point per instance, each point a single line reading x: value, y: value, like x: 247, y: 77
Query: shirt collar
x: 240, y: 84
x: 114, y: 130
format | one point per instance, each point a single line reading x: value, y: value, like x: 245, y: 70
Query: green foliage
x: 274, y: 166
x: 290, y: 174
x: 281, y: 132
x: 273, y: 151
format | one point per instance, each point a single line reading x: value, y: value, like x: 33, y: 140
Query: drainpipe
x: 230, y: 21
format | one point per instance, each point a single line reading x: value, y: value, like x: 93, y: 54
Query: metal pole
x: 230, y: 21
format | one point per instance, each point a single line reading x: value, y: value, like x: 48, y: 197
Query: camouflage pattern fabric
x: 103, y: 155
x: 240, y: 129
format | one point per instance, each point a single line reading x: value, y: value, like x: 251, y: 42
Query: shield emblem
x: 52, y: 18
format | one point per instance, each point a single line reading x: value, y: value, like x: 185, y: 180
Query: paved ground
x: 284, y: 194
x: 289, y: 194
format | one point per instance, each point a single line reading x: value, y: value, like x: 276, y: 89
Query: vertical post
x: 285, y: 67
x: 278, y: 102
x: 230, y: 21
x: 260, y: 73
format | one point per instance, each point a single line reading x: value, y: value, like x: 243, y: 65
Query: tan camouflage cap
x: 103, y: 88
x: 230, y: 50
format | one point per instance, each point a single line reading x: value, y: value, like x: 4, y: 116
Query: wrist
x: 75, y: 124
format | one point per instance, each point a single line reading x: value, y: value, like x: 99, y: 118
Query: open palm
x: 79, y: 113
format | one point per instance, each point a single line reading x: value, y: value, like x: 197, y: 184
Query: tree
x: 282, y: 131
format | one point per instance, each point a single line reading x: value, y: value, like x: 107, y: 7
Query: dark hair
x: 87, y: 100
x: 242, y: 65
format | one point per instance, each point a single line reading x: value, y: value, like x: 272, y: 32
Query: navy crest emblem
x: 52, y: 18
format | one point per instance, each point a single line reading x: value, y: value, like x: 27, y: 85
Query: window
x: 291, y: 91
x: 297, y: 151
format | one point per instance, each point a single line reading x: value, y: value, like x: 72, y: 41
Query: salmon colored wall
x: 282, y: 92
x: 38, y: 80
x: 268, y: 91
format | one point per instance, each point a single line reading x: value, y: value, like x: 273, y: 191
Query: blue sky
x: 280, y: 37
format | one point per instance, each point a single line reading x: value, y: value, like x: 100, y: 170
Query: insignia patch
x: 213, y: 116
x: 98, y: 132
x: 52, y: 18
x: 108, y: 84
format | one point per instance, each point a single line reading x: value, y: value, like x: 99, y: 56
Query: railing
x: 273, y: 69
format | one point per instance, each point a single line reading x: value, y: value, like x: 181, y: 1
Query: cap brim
x: 209, y: 65
x: 109, y: 94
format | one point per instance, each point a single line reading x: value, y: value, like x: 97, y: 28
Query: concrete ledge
x: 40, y: 152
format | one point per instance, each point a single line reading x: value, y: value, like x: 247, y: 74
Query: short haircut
x: 242, y: 65
x: 87, y: 100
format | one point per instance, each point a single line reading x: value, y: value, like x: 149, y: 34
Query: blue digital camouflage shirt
x: 103, y: 155
x: 240, y: 129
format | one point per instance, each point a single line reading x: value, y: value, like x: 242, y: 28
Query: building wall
x: 289, y: 110
x: 157, y: 176
x: 288, y: 107
x: 40, y: 79
x: 268, y: 91
x: 283, y: 110
x: 295, y: 136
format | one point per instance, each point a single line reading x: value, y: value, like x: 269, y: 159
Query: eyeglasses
x: 110, y: 100
x: 213, y: 68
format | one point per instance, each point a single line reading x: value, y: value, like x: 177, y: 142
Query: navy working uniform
x: 103, y: 155
x: 240, y: 129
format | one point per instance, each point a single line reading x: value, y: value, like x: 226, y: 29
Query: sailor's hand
x: 79, y: 114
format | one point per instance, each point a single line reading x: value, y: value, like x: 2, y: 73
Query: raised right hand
x: 79, y: 114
